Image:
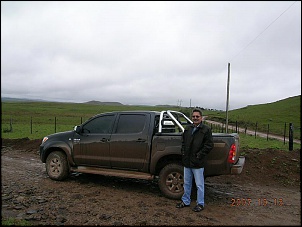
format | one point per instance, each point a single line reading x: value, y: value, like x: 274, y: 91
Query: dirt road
x: 266, y: 193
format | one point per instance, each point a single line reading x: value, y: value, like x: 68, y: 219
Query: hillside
x: 103, y: 103
x: 274, y: 117
x: 286, y: 110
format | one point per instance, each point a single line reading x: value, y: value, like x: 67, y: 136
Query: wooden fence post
x: 284, y: 133
x: 11, y: 124
x: 291, y: 137
x: 256, y: 129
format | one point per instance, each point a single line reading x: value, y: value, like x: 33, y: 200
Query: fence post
x: 267, y: 132
x: 11, y: 124
x: 31, y: 125
x: 291, y: 137
x: 55, y: 124
x: 256, y: 129
x: 284, y: 133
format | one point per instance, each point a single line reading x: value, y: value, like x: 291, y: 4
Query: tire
x: 171, y: 180
x: 57, y: 166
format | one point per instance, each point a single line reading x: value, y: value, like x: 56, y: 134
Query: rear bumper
x: 238, y: 167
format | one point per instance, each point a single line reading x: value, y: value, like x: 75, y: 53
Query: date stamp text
x: 257, y: 202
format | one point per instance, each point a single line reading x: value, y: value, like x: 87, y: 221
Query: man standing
x: 197, y: 142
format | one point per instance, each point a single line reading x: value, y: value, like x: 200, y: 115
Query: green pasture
x: 250, y: 142
x: 34, y: 120
x: 38, y: 119
x: 272, y: 117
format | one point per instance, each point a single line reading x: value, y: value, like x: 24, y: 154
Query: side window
x: 131, y: 123
x: 102, y: 124
x: 156, y: 123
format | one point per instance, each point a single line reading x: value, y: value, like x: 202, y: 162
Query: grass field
x: 34, y: 120
x: 37, y: 119
x: 273, y: 117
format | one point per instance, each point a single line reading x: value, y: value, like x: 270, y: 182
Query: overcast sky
x: 152, y: 53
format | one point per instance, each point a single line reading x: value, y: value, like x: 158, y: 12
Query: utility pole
x: 227, y: 102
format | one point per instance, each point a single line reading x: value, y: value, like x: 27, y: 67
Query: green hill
x: 36, y: 119
x: 276, y: 115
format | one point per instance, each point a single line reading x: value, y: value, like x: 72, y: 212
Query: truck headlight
x: 44, y: 139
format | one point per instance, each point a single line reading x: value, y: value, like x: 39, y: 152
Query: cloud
x: 152, y: 52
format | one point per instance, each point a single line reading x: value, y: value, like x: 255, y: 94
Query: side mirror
x: 77, y: 129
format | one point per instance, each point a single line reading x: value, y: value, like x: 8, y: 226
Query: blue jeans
x: 199, y: 180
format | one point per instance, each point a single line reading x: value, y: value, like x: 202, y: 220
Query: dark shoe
x: 198, y: 208
x: 181, y: 205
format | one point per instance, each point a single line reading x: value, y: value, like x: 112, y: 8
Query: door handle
x: 140, y: 140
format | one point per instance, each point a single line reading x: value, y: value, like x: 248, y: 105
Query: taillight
x: 232, y: 154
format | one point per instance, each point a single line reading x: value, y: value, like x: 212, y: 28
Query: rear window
x: 131, y: 123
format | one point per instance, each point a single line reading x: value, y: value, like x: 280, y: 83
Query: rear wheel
x: 171, y: 180
x: 57, y: 166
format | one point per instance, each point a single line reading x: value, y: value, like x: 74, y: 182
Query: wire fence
x: 286, y: 132
x: 38, y: 127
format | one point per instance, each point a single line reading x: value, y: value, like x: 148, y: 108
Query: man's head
x: 196, y: 116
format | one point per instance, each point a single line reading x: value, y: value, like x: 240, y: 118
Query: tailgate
x: 218, y: 159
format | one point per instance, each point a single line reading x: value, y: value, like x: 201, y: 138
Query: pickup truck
x: 135, y: 144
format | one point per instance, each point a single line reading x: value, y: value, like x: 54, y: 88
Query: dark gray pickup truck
x: 135, y: 144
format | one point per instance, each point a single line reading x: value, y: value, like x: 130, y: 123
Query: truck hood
x: 60, y: 136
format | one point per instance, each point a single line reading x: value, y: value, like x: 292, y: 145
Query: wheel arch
x: 165, y: 160
x: 64, y: 148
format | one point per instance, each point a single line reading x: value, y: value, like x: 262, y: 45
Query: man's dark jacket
x: 196, y: 147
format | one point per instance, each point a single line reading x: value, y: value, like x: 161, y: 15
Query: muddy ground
x: 266, y: 193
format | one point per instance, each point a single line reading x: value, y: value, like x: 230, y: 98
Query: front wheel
x: 171, y: 181
x: 57, y: 166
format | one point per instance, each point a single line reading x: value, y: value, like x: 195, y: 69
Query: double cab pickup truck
x: 135, y: 144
